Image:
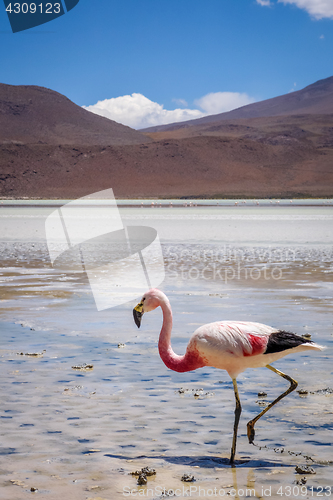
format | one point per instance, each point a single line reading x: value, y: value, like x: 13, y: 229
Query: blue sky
x: 172, y: 55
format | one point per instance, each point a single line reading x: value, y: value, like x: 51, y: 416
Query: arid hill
x: 36, y: 115
x: 315, y: 99
x: 280, y: 156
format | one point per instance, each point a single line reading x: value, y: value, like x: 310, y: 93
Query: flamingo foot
x: 250, y: 432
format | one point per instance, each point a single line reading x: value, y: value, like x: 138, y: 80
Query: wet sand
x: 80, y: 433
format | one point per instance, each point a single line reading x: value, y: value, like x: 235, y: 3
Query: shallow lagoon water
x: 80, y: 433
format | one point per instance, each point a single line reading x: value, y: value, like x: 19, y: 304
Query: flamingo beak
x: 137, y: 314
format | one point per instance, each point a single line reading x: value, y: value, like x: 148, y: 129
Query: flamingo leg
x: 293, y: 385
x: 238, y: 411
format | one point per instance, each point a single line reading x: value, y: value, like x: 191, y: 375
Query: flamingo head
x: 149, y: 302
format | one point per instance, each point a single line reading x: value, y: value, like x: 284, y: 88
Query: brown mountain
x: 31, y: 114
x: 313, y: 99
x: 277, y: 156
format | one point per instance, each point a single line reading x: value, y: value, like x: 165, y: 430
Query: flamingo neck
x: 189, y: 361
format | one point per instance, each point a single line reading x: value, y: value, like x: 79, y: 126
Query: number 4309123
x: 33, y: 8
x: 297, y: 491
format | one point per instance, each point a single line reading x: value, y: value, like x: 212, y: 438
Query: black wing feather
x: 281, y: 340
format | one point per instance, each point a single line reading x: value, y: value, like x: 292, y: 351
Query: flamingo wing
x: 235, y: 346
x: 234, y: 337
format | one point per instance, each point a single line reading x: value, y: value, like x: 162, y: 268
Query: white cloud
x: 180, y: 102
x: 264, y: 3
x: 319, y: 9
x: 220, y: 102
x: 137, y: 111
x: 322, y: 37
x: 292, y: 88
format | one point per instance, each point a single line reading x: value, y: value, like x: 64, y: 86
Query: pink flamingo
x: 229, y: 345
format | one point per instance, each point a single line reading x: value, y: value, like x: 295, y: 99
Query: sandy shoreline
x: 181, y: 200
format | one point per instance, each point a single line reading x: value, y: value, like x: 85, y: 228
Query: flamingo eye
x: 144, y: 298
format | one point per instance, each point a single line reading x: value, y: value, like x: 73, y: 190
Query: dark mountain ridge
x: 316, y: 98
x: 37, y: 115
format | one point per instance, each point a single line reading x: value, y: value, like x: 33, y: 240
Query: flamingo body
x: 234, y: 346
x: 229, y: 345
